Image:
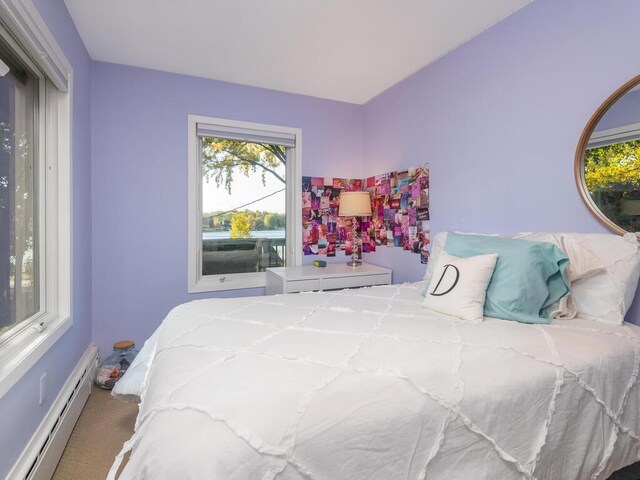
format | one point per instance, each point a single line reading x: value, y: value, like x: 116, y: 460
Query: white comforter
x: 366, y: 384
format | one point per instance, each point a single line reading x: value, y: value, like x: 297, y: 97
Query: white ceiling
x: 348, y: 50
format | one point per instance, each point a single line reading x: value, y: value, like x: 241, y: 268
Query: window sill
x: 21, y: 352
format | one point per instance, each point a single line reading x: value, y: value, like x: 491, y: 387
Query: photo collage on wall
x: 399, y: 206
x: 323, y: 231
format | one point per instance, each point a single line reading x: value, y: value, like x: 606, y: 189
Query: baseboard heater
x: 41, y: 456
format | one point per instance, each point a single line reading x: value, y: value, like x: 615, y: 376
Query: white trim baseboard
x: 40, y: 457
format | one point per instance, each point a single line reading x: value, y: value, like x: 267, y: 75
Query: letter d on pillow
x: 459, y: 285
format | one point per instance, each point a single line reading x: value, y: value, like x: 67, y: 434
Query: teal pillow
x: 529, y: 276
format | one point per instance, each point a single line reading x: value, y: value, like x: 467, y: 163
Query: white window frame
x: 198, y: 283
x: 30, y: 340
x: 611, y: 136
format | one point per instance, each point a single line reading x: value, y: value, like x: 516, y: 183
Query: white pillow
x: 583, y: 262
x: 607, y: 295
x: 459, y: 285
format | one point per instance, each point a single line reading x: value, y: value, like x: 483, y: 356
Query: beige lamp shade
x: 355, y: 204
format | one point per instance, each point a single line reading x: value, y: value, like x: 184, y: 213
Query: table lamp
x: 355, y: 204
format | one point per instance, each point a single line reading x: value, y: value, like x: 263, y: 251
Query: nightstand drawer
x: 293, y: 286
x: 355, y: 281
x: 306, y: 278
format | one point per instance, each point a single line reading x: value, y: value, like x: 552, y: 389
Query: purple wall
x: 626, y: 111
x: 19, y: 408
x: 139, y: 181
x: 499, y: 119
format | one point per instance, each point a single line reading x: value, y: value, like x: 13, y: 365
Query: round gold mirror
x: 607, y: 162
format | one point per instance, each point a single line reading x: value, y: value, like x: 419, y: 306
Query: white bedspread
x: 366, y: 384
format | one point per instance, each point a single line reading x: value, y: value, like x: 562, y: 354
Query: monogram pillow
x: 458, y: 286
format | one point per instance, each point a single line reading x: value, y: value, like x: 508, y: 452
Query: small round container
x: 116, y: 364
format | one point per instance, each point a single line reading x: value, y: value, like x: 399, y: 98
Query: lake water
x: 254, y: 234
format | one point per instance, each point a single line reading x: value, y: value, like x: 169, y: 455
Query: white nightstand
x: 332, y: 277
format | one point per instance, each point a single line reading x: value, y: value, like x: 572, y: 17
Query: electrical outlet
x: 43, y: 388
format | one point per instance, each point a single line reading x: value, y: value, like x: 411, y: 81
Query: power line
x: 247, y: 204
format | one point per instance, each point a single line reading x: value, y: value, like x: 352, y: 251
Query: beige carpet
x: 104, y: 425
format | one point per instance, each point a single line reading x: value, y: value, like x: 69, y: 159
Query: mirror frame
x: 578, y: 165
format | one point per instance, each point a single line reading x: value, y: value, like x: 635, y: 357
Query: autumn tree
x: 222, y: 158
x: 613, y: 167
x: 271, y: 221
x: 241, y: 225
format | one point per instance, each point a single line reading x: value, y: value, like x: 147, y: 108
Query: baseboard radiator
x: 41, y: 456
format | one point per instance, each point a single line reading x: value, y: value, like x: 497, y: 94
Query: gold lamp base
x: 355, y: 263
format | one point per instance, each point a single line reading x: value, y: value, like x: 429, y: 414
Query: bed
x: 367, y: 384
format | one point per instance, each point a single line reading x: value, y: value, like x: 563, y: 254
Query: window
x: 244, y: 189
x: 35, y: 217
x: 19, y: 192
